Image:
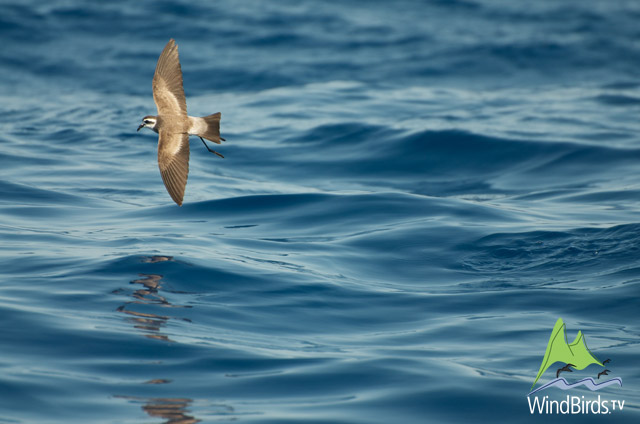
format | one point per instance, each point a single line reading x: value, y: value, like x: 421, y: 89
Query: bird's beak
x: 141, y: 125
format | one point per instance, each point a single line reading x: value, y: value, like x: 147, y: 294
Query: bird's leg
x: 209, y: 149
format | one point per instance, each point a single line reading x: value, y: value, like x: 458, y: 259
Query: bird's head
x: 148, y: 122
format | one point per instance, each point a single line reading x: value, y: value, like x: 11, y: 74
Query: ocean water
x: 413, y: 192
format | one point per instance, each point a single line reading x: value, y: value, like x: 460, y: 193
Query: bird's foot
x: 209, y: 149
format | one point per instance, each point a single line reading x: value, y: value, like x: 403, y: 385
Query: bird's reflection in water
x: 149, y: 294
x: 176, y: 410
x: 157, y: 258
x: 173, y: 410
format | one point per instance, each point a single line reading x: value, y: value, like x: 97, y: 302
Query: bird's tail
x: 212, y: 131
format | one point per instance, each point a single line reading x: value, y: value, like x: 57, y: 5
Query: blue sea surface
x: 413, y: 192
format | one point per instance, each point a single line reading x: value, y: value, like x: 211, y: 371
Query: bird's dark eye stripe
x: 146, y: 121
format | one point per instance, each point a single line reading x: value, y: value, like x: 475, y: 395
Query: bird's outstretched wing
x: 173, y: 160
x: 168, y: 92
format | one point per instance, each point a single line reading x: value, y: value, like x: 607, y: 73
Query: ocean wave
x: 558, y: 252
x: 437, y: 163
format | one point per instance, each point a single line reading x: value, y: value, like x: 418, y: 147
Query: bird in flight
x: 174, y: 126
x: 565, y: 368
x: 605, y: 372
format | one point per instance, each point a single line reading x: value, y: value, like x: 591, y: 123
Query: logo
x: 574, y: 356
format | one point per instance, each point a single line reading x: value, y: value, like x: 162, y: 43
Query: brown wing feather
x: 168, y: 92
x: 173, y: 160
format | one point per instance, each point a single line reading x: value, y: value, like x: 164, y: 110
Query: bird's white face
x: 148, y: 122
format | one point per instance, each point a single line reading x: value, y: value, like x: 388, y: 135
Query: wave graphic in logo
x: 588, y: 382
